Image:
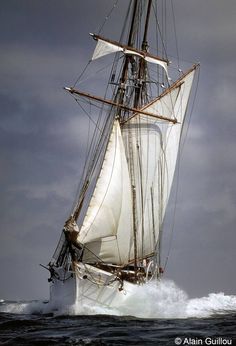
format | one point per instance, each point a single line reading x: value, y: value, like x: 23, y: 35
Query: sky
x: 44, y: 46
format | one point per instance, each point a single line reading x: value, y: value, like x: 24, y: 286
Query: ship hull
x: 88, y: 286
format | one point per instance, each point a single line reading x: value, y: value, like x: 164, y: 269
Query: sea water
x: 154, y: 315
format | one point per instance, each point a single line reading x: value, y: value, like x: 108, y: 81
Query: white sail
x: 107, y: 228
x: 152, y: 148
x: 105, y: 47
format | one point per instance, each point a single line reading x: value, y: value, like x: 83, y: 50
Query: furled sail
x: 107, y: 228
x: 105, y: 47
x: 152, y: 148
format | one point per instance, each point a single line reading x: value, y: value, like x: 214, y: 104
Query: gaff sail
x: 154, y: 147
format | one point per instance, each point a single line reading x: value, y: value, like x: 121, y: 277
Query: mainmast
x: 138, y: 85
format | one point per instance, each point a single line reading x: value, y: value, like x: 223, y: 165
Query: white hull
x: 88, y: 286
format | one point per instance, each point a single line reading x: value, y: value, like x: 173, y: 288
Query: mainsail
x: 154, y: 149
x: 141, y: 156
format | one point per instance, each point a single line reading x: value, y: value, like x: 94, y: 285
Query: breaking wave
x: 162, y: 300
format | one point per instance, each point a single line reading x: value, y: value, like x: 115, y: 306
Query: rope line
x: 107, y: 17
x: 178, y: 167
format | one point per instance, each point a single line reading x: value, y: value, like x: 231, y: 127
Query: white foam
x: 214, y: 303
x: 155, y: 300
x: 33, y: 307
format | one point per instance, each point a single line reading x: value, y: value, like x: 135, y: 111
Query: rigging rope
x: 191, y: 111
x: 174, y: 214
x: 175, y: 32
x: 98, y: 31
x: 160, y: 32
x: 178, y: 170
x: 82, y: 73
x: 107, y: 17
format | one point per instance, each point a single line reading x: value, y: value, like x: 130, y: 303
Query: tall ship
x: 111, y: 241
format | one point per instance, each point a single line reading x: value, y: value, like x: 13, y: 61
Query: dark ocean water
x: 164, y: 315
x: 20, y: 329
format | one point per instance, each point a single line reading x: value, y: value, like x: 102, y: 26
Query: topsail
x: 105, y: 47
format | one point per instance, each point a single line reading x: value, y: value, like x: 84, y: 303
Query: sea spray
x: 163, y: 299
x: 24, y: 307
x: 213, y: 304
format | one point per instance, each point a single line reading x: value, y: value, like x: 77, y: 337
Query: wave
x: 155, y: 300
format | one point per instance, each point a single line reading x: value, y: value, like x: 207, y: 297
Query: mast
x: 130, y: 43
x: 121, y: 90
x: 137, y: 100
x: 136, y: 104
x: 142, y: 63
x: 121, y: 100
